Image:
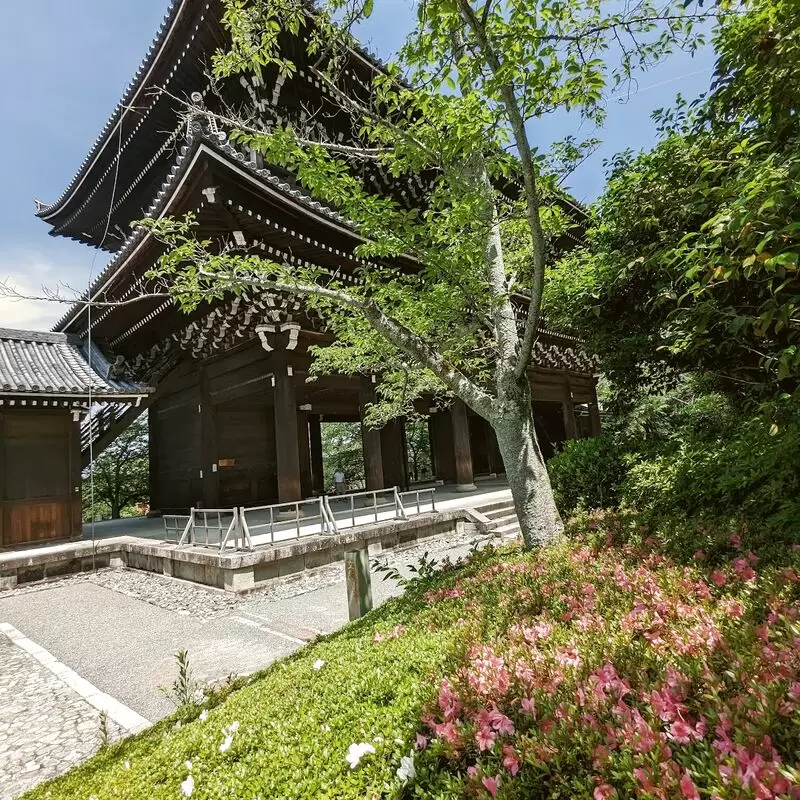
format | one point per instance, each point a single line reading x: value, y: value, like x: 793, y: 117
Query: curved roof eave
x: 169, y: 23
x: 137, y: 84
x: 161, y: 204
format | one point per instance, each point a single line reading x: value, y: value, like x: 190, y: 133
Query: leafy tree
x: 692, y: 264
x: 460, y: 319
x: 418, y: 441
x: 342, y: 450
x: 121, y: 475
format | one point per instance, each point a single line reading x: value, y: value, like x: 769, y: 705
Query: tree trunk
x: 115, y: 509
x: 526, y: 472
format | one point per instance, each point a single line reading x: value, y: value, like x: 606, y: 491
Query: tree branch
x: 393, y: 331
x: 533, y: 199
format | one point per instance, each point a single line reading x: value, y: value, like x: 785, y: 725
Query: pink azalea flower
x: 501, y: 723
x: 688, y: 789
x: 527, y: 706
x: 491, y: 784
x: 743, y: 569
x: 510, y: 759
x: 680, y: 732
x: 485, y: 738
x: 735, y: 540
x: 604, y: 792
x: 421, y: 742
x: 718, y: 578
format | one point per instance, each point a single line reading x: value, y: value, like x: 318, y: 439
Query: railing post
x: 322, y: 520
x: 375, y: 504
x: 331, y: 517
x: 297, y: 518
x: 271, y: 525
x: 246, y: 539
x: 353, y: 510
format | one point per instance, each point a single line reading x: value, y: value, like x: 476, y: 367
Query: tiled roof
x: 57, y: 365
x: 167, y: 30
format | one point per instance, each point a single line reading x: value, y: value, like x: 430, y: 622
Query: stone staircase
x: 504, y: 522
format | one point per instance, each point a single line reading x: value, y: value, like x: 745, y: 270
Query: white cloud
x: 28, y: 274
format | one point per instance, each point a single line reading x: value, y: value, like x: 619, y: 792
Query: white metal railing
x: 175, y: 526
x: 373, y: 508
x: 415, y: 493
x: 215, y: 527
x: 287, y: 516
x: 243, y: 527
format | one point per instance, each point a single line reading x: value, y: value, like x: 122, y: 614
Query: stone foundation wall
x: 238, y: 572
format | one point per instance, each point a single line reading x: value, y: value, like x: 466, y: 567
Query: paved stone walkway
x: 120, y: 630
x: 45, y: 727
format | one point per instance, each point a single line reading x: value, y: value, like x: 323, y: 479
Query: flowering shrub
x: 622, y: 674
x: 602, y: 668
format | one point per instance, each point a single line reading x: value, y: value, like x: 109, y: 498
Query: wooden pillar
x: 152, y: 452
x: 76, y: 502
x: 461, y: 447
x: 208, y: 445
x: 393, y: 453
x: 286, y: 434
x: 594, y: 413
x: 304, y: 451
x: 371, y: 439
x: 315, y: 442
x: 568, y: 410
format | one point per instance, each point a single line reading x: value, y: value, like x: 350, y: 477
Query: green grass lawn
x: 596, y: 669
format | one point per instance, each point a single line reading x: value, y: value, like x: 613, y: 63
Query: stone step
x: 507, y: 519
x: 488, y: 508
x: 501, y: 513
x: 510, y: 531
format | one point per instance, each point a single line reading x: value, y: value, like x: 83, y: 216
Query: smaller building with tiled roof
x: 36, y: 366
x: 55, y: 391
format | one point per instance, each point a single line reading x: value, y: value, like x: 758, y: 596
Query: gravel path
x: 45, y: 727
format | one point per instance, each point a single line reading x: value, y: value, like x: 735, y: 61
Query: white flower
x: 189, y: 765
x: 326, y: 728
x: 318, y: 664
x: 356, y: 751
x: 406, y: 772
x: 187, y: 787
x: 378, y: 739
x: 127, y: 765
x: 226, y: 745
x: 233, y: 727
x: 204, y: 715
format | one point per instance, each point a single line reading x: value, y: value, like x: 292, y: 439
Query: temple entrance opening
x: 342, y: 457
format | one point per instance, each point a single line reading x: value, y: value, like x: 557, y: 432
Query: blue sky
x: 66, y: 66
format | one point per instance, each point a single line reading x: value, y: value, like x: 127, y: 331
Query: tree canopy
x: 691, y: 263
x: 447, y: 300
x: 120, y: 475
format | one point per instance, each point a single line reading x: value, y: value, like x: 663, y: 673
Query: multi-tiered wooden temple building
x: 232, y: 419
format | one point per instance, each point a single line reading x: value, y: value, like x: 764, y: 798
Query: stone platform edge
x: 238, y: 572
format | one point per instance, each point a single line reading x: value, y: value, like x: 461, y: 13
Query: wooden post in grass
x: 359, y: 582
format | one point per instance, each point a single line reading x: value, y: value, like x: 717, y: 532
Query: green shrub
x: 752, y: 475
x: 570, y: 672
x: 588, y: 473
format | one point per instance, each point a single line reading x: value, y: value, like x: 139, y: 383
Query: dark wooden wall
x: 214, y: 441
x: 40, y: 481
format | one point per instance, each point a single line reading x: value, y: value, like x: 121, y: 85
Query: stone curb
x: 123, y: 716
